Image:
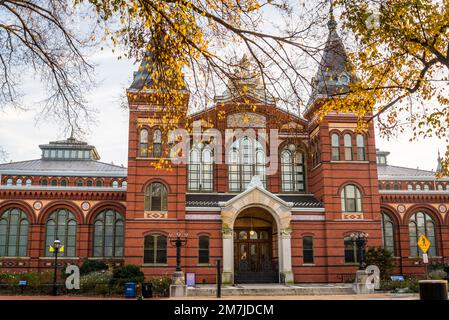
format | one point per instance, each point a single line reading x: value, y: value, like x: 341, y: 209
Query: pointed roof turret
x: 334, y: 72
x: 440, y: 163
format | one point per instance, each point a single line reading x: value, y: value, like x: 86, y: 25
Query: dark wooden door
x: 253, y: 256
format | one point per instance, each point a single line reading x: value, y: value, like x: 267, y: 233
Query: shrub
x: 96, y: 282
x: 410, y: 284
x: 93, y: 265
x: 161, y: 285
x: 127, y: 273
x: 382, y: 258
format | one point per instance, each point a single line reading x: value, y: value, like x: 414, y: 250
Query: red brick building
x: 291, y: 223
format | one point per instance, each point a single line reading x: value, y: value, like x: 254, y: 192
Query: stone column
x: 228, y: 257
x: 286, y: 255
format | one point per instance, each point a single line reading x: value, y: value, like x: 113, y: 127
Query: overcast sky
x: 20, y: 135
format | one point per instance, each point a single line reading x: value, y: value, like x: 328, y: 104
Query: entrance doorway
x: 255, y: 248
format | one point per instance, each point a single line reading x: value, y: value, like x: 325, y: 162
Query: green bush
x: 382, y: 258
x: 33, y: 278
x: 127, y: 273
x: 97, y: 282
x: 410, y: 284
x: 161, y: 285
x: 93, y: 265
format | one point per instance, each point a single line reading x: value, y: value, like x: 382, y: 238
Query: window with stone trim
x: 200, y: 169
x: 108, y: 234
x: 203, y: 249
x: 388, y: 233
x: 348, y: 146
x: 156, y: 197
x: 335, y: 144
x: 157, y: 143
x: 352, y: 254
x: 155, y: 249
x: 13, y: 233
x: 307, y: 249
x: 422, y: 223
x: 361, y: 148
x: 61, y: 224
x: 292, y: 169
x: 143, y: 143
x: 246, y: 159
x: 351, y: 199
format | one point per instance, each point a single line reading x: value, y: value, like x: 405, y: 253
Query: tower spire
x: 331, y: 24
x: 439, y: 160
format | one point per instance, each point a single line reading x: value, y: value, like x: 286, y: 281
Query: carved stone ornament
x: 246, y: 119
x: 37, y: 205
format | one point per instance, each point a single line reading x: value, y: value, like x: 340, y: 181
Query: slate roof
x: 212, y: 200
x: 391, y: 172
x: 63, y: 168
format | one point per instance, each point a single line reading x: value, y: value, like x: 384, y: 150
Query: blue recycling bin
x: 130, y: 290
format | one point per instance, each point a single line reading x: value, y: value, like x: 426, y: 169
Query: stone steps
x: 271, y: 290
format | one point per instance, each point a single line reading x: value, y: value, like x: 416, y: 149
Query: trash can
x: 433, y: 290
x: 130, y: 290
x: 147, y: 290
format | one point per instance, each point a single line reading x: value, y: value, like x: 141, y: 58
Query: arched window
x: 54, y: 182
x: 409, y: 187
x: 115, y: 184
x: 387, y: 186
x: 143, y: 143
x: 13, y: 233
x: 44, y: 182
x: 426, y: 187
x: 246, y: 159
x: 351, y: 251
x: 200, y: 169
x: 61, y: 224
x: 203, y: 249
x: 63, y: 183
x: 98, y: 183
x: 124, y: 184
x: 157, y: 143
x: 351, y: 199
x: 108, y: 234
x: 19, y: 182
x: 9, y: 182
x: 292, y: 169
x: 388, y: 233
x: 418, y: 187
x: 348, y: 146
x: 155, y: 249
x: 421, y: 223
x: 361, y: 153
x: 335, y: 141
x: 28, y: 182
x: 307, y: 249
x: 79, y: 183
x: 156, y: 197
x: 396, y: 186
x: 440, y: 187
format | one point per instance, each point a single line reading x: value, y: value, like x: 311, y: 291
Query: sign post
x: 424, y: 245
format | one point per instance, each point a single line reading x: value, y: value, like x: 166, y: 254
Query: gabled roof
x: 88, y: 168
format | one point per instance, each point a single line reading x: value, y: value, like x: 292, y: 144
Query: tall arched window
x: 98, y: 183
x: 108, y: 234
x: 19, y: 182
x: 203, y: 249
x: 157, y: 143
x: 352, y: 253
x: 421, y: 223
x: 348, y: 146
x: 155, y: 249
x: 361, y: 153
x: 63, y: 183
x: 44, y: 182
x: 143, y: 143
x: 156, y: 197
x: 351, y: 199
x: 292, y: 169
x: 61, y: 224
x: 13, y: 233
x: 246, y: 159
x: 388, y: 233
x: 335, y: 142
x: 307, y: 249
x: 200, y: 169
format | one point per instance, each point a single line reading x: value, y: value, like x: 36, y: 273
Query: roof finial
x: 71, y: 133
x: 331, y: 24
x: 440, y: 160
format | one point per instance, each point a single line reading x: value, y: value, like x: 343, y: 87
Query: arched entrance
x: 255, y: 247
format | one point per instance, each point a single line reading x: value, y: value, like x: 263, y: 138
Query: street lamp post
x: 56, y: 246
x: 360, y: 239
x: 178, y: 240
